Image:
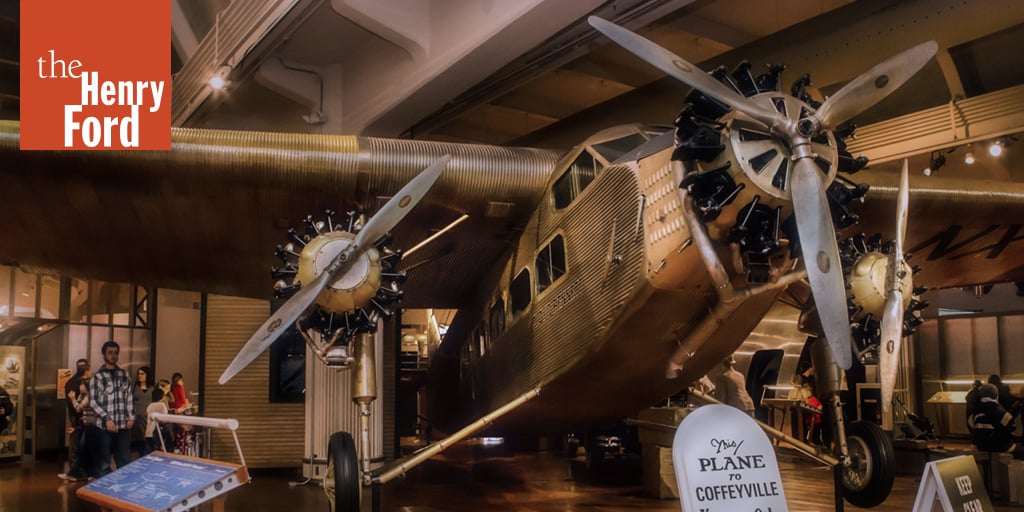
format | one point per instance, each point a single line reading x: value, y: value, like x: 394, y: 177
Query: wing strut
x: 400, y: 467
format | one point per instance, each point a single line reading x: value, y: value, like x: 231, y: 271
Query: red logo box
x: 96, y: 74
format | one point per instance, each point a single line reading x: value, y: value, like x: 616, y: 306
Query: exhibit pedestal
x: 659, y: 477
x: 656, y: 429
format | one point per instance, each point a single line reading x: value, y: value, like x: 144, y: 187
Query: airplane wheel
x: 341, y: 483
x: 868, y: 480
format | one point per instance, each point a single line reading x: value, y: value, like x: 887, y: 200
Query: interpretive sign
x: 725, y: 462
x: 164, y: 481
x: 955, y: 484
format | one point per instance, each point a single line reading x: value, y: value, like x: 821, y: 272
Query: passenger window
x: 550, y: 263
x: 575, y: 179
x: 519, y: 292
x: 497, y: 319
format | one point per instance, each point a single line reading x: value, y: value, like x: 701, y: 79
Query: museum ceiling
x: 532, y: 72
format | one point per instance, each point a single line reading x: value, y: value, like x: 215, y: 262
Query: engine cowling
x: 356, y: 287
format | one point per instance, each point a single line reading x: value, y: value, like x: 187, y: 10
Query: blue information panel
x: 161, y: 481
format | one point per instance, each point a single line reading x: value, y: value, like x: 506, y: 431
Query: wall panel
x: 1011, y: 346
x: 271, y: 435
x: 985, y: 342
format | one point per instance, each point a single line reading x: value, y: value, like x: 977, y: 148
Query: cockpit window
x: 575, y: 179
x: 592, y: 159
x: 613, y: 149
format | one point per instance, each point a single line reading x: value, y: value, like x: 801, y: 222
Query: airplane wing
x: 960, y: 231
x: 207, y: 214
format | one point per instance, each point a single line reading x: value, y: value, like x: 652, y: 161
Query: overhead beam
x: 562, y: 93
x: 182, y: 36
x: 714, y: 31
x: 960, y: 122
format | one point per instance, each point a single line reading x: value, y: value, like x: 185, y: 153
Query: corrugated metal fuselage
x: 598, y: 339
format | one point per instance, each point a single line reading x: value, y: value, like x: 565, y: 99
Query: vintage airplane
x: 624, y: 269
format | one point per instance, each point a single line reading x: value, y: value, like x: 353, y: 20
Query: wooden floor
x: 466, y: 478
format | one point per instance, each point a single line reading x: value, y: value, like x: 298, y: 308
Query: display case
x: 12, y: 392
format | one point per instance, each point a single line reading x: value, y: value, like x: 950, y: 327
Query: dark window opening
x: 519, y: 292
x: 497, y: 319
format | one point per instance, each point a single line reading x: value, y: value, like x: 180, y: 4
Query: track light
x: 969, y: 157
x: 937, y: 161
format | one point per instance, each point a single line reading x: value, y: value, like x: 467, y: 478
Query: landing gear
x: 346, y: 472
x: 342, y: 483
x: 867, y: 458
x: 868, y: 479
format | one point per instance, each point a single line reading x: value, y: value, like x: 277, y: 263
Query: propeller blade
x: 685, y: 72
x: 902, y: 207
x: 889, y: 350
x: 892, y: 316
x: 871, y: 87
x: 395, y: 209
x: 821, y: 258
x: 274, y: 326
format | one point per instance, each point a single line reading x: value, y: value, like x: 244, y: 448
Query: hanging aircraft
x: 613, y: 276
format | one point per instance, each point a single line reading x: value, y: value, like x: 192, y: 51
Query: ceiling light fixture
x: 935, y: 163
x: 996, y: 148
x: 937, y: 160
x: 969, y: 156
x: 219, y: 80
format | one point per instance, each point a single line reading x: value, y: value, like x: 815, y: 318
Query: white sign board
x: 952, y: 485
x: 725, y: 462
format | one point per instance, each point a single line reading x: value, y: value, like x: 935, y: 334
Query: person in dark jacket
x: 1006, y: 399
x: 973, y: 402
x: 992, y: 427
x: 76, y: 401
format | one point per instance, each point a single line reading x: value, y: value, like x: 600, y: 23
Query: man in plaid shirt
x: 114, y: 406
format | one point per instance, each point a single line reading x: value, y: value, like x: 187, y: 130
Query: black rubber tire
x: 876, y: 465
x: 344, y: 467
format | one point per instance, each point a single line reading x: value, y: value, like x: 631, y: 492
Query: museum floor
x: 463, y: 479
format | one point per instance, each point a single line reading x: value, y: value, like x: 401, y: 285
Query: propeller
x: 386, y: 218
x: 813, y: 218
x: 892, y: 317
